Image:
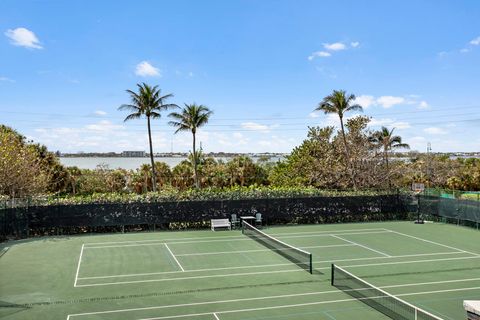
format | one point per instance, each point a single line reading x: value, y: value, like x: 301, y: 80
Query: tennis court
x: 228, y: 275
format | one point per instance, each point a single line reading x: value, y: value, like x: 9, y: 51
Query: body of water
x: 128, y: 163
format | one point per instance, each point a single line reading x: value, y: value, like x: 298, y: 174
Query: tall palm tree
x: 385, y: 140
x: 339, y: 102
x: 190, y: 118
x: 148, y: 102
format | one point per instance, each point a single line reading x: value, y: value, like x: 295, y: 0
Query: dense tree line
x: 352, y: 157
x: 27, y: 168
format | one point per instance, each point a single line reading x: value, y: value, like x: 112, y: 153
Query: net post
x: 311, y: 264
x: 243, y: 227
x: 332, y: 276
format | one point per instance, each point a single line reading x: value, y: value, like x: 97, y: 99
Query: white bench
x: 220, y: 223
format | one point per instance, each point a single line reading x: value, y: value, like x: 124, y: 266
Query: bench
x: 220, y: 223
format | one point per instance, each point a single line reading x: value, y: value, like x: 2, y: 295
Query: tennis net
x: 377, y: 298
x: 298, y: 256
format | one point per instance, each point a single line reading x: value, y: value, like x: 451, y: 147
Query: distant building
x: 133, y: 153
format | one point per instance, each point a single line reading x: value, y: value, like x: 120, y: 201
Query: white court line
x: 175, y: 258
x: 267, y: 265
x: 78, y: 266
x: 128, y: 245
x: 407, y: 262
x: 361, y: 245
x: 266, y: 272
x: 277, y: 297
x: 234, y: 237
x: 277, y: 234
x: 306, y: 304
x: 260, y: 250
x: 228, y: 239
x: 429, y: 241
x: 216, y: 317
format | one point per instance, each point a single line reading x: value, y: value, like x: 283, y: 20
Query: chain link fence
x: 452, y: 206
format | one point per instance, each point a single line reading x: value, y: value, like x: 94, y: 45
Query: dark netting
x: 389, y: 305
x: 110, y: 217
x: 455, y: 209
x: 298, y: 256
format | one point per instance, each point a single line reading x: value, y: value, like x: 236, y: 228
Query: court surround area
x: 227, y: 275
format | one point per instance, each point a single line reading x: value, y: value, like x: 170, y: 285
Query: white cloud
x: 389, y: 101
x: 401, y: 125
x: 145, y: 69
x: 314, y: 114
x: 418, y: 139
x: 103, y: 125
x: 475, y: 42
x: 238, y: 139
x: 466, y: 49
x: 323, y: 54
x: 100, y: 113
x: 275, y: 142
x: 24, y: 38
x: 423, y: 105
x: 374, y: 122
x: 337, y: 46
x: 255, y: 126
x: 417, y: 142
x: 6, y: 79
x: 102, y: 136
x: 331, y: 119
x: 390, y: 123
x: 435, y: 130
x: 365, y: 101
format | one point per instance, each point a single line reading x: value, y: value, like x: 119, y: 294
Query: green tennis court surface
x: 226, y: 275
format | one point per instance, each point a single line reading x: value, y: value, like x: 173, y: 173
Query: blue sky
x: 262, y: 66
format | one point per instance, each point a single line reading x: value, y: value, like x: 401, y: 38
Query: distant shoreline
x: 169, y: 155
x: 133, y: 163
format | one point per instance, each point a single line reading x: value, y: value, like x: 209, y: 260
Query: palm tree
x: 339, y: 102
x: 190, y: 118
x: 385, y: 139
x: 147, y: 102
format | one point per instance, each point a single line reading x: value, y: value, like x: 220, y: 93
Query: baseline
x: 234, y: 237
x: 228, y: 239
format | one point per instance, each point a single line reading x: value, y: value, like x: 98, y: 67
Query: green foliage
x: 148, y: 102
x: 317, y: 162
x: 20, y: 170
x: 26, y: 168
x: 191, y: 118
x: 470, y: 196
x: 232, y: 193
